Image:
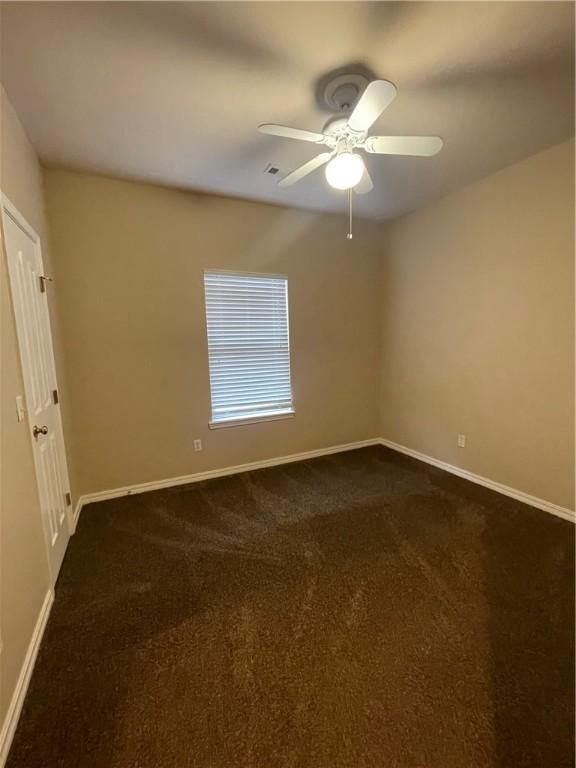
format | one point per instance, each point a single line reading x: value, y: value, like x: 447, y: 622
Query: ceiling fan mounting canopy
x: 344, y: 135
x: 343, y: 91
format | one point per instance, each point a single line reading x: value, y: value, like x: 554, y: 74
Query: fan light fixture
x: 343, y: 135
x: 345, y: 170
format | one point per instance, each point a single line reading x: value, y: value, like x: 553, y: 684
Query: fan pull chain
x: 349, y: 235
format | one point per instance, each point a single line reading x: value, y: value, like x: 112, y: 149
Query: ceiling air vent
x: 271, y: 169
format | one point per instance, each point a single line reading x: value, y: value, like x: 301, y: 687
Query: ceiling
x: 172, y: 93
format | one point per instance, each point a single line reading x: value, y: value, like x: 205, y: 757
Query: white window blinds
x: 248, y: 346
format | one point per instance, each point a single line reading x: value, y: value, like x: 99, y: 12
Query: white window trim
x: 245, y: 273
x: 246, y: 421
x: 255, y: 420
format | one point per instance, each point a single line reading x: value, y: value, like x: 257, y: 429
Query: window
x: 248, y: 347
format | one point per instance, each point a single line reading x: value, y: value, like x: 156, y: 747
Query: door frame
x: 8, y: 209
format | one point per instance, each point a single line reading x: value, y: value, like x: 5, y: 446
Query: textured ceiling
x: 173, y: 92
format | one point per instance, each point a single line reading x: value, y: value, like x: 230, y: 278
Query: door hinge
x: 43, y: 280
x: 55, y: 397
x: 68, y: 499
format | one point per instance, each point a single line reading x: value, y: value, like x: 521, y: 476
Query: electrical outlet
x: 197, y: 445
x: 462, y: 441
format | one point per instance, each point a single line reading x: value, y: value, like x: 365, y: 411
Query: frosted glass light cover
x: 345, y: 170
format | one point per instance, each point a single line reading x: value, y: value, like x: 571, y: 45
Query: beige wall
x: 478, y: 327
x: 131, y: 259
x: 24, y: 576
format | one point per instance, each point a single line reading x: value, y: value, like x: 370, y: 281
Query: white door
x: 35, y: 342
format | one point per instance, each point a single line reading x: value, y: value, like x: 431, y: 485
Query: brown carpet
x: 356, y: 610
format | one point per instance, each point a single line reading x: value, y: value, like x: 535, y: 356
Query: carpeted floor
x: 361, y: 609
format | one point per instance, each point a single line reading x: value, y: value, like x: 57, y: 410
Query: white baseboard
x: 128, y: 490
x: 15, y: 708
x: 197, y: 477
x: 75, y: 516
x: 533, y: 501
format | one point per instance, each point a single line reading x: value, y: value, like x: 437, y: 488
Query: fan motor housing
x: 336, y: 126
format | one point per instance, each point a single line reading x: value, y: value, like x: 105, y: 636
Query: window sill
x: 250, y: 420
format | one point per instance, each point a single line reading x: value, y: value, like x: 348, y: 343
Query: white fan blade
x: 374, y: 100
x: 365, y: 184
x: 305, y: 169
x: 421, y: 146
x: 291, y: 133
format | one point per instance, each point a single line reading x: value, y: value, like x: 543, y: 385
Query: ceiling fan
x: 345, y: 169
